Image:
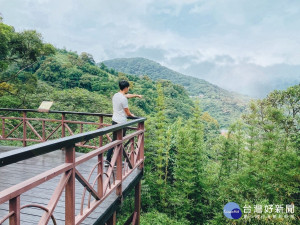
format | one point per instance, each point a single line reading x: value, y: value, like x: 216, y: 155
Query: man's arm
x: 133, y: 96
x: 128, y: 113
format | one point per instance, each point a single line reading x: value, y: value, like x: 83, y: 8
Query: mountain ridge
x: 107, y: 63
x: 224, y: 105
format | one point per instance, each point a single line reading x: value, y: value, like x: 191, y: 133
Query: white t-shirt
x: 120, y: 102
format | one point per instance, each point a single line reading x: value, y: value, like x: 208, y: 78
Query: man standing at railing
x: 120, y: 109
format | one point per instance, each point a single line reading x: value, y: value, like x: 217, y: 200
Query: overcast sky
x: 237, y: 44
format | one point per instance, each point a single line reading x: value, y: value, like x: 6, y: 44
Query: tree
x: 159, y: 155
x: 19, y: 51
x: 87, y: 58
x: 258, y: 160
x: 188, y: 195
x: 103, y: 67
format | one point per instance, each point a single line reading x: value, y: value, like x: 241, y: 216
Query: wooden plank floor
x: 21, y: 171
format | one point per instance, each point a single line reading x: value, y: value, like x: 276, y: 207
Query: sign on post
x: 45, y: 106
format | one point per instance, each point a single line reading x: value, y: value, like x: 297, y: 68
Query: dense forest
x: 191, y: 171
x: 223, y: 105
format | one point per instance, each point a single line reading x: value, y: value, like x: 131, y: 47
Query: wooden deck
x: 23, y: 170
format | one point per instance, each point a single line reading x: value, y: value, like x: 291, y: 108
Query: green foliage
x: 67, y: 70
x: 175, y: 165
x: 223, y: 105
x: 159, y: 155
x: 257, y: 162
x: 157, y: 218
x: 19, y: 51
x: 87, y: 58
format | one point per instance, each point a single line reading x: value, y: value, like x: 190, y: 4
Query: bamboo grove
x: 192, y: 172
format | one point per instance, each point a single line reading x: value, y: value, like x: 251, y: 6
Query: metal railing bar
x: 53, y: 145
x: 131, y: 170
x: 79, y: 218
x: 55, y: 111
x: 87, y: 156
x: 20, y: 139
x: 87, y: 211
x: 86, y: 184
x: 24, y: 186
x: 55, y: 197
x: 16, y: 127
x: 54, y: 120
x: 134, y: 134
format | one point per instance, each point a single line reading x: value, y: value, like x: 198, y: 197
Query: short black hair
x: 123, y: 84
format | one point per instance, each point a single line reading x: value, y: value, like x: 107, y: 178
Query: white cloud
x: 241, y: 29
x: 198, y: 32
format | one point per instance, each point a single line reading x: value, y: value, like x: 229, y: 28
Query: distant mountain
x: 249, y: 79
x: 220, y: 103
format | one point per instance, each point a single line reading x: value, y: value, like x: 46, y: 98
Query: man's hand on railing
x: 132, y: 117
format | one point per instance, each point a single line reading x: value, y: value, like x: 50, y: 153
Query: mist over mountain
x: 220, y: 103
x: 242, y: 77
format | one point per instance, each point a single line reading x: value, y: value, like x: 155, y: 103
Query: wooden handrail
x: 69, y: 171
x: 53, y: 145
x: 55, y: 111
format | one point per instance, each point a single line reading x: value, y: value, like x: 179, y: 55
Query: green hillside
x: 220, y: 103
x: 75, y: 83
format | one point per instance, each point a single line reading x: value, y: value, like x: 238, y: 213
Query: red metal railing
x: 128, y: 150
x: 21, y: 128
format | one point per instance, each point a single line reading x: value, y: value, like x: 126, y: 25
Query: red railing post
x: 14, y: 206
x: 137, y: 202
x: 44, y: 130
x: 81, y: 128
x: 3, y: 128
x: 119, y: 163
x: 113, y: 219
x: 24, y: 129
x: 63, y: 130
x: 100, y: 126
x: 70, y: 188
x: 132, y: 152
x: 100, y: 178
x: 141, y: 126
